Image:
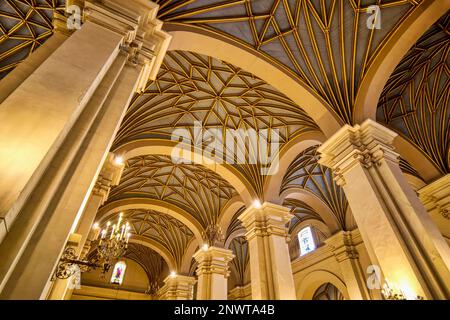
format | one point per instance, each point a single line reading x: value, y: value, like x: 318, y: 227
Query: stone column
x: 270, y: 264
x: 109, y: 176
x: 95, y: 72
x: 343, y: 245
x: 62, y: 288
x: 212, y: 272
x: 436, y: 199
x: 398, y: 232
x: 177, y: 287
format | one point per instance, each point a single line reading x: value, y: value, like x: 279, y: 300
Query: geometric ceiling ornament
x: 197, y: 190
x: 162, y: 228
x: 416, y: 100
x: 305, y: 172
x: 325, y: 44
x: 196, y: 91
x: 24, y: 26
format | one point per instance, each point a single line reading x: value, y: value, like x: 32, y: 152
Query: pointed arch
x: 404, y: 37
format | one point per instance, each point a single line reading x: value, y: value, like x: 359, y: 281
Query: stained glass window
x: 306, y: 240
x: 118, y: 272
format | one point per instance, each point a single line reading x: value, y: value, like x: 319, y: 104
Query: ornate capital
x: 213, y: 260
x: 109, y: 176
x: 135, y: 20
x: 270, y: 219
x: 177, y: 287
x: 366, y: 145
x: 342, y: 244
x: 436, y: 195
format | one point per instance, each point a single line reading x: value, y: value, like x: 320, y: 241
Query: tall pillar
x: 342, y: 245
x: 62, y: 288
x: 212, y: 272
x: 398, y: 232
x: 58, y: 152
x: 177, y: 287
x: 436, y: 199
x: 108, y: 177
x: 270, y: 264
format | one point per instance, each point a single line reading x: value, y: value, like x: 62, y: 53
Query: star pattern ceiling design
x: 305, y: 172
x: 324, y: 43
x: 24, y: 26
x: 161, y: 228
x: 195, y: 88
x: 194, y: 188
x: 415, y: 101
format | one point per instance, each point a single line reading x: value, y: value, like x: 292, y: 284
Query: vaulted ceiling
x: 325, y: 45
x: 197, y: 92
x: 197, y: 190
x: 415, y: 101
x: 24, y: 26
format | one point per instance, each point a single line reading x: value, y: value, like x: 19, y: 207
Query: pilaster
x: 212, y: 272
x: 177, y: 287
x: 398, y: 232
x: 436, y: 199
x: 270, y: 265
x: 342, y: 244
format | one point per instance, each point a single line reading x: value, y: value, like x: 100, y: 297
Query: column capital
x: 109, y: 176
x: 342, y: 244
x: 436, y: 195
x: 177, y: 287
x: 269, y: 219
x: 364, y: 144
x: 144, y: 40
x: 213, y: 260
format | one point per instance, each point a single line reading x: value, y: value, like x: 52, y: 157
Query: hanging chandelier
x: 110, y: 245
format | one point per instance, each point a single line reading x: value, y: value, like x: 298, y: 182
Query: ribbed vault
x: 194, y: 188
x: 24, y: 26
x: 326, y: 44
x: 415, y: 101
x: 153, y: 264
x: 306, y: 173
x: 161, y: 228
x: 195, y: 93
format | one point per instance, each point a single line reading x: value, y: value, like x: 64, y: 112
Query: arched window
x: 306, y: 240
x: 118, y: 272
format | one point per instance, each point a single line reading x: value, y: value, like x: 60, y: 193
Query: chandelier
x: 111, y: 244
x: 392, y: 292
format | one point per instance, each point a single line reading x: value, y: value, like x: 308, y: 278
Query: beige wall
x: 135, y: 279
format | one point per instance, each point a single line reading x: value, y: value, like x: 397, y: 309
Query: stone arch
x: 187, y: 257
x: 167, y: 148
x: 162, y: 251
x: 313, y: 280
x: 416, y: 158
x: 190, y: 38
x: 152, y: 204
x: 229, y: 211
x: 315, y: 203
x: 287, y: 155
x: 404, y: 37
